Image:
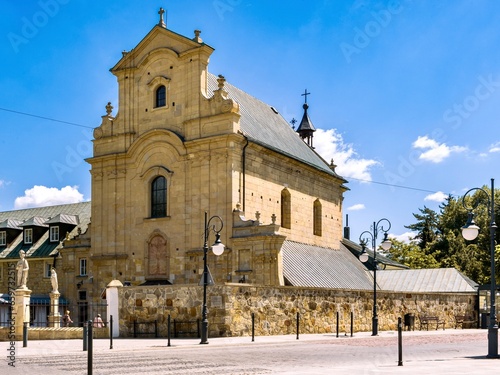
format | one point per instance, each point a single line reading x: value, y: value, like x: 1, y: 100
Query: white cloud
x: 40, y: 196
x: 438, y: 196
x: 406, y: 237
x: 356, y: 207
x: 330, y: 145
x: 2, y: 183
x: 435, y: 152
x: 495, y: 147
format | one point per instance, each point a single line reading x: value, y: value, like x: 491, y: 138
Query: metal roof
x: 10, y: 224
x: 263, y: 124
x: 435, y: 280
x: 319, y: 267
x: 35, y: 221
x: 76, y: 214
x: 370, y: 264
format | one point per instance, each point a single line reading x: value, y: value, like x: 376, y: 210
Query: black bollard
x: 25, y: 334
x: 111, y: 331
x: 298, y: 323
x: 337, y: 324
x: 85, y: 336
x: 352, y: 323
x: 168, y: 330
x: 253, y: 327
x: 400, y: 342
x: 90, y: 350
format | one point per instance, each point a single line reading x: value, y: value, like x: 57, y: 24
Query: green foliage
x: 440, y: 240
x: 411, y: 255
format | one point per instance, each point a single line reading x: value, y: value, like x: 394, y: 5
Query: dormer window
x: 28, y: 235
x: 54, y: 234
x: 161, y: 96
x: 3, y: 238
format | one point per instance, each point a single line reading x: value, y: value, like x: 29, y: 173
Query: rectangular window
x: 54, y: 234
x: 3, y: 238
x: 83, y: 267
x: 28, y: 235
x: 48, y: 267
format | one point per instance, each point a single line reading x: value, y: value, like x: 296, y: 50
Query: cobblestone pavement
x: 444, y: 352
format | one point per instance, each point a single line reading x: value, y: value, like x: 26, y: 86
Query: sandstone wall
x: 275, y: 309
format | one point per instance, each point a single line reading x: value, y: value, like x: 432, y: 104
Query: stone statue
x: 22, y: 270
x: 53, y: 280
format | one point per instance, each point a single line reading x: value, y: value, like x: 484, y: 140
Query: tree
x: 440, y: 237
x: 426, y: 226
x: 411, y: 255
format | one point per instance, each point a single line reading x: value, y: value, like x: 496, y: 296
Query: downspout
x: 244, y: 173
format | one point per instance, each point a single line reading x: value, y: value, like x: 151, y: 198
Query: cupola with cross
x: 306, y: 128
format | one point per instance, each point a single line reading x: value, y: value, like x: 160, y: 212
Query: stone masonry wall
x: 231, y: 306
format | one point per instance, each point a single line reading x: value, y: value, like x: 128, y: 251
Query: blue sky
x: 404, y: 94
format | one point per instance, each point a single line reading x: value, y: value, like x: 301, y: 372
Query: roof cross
x: 305, y: 95
x: 161, y: 23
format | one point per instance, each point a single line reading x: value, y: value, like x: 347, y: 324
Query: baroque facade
x: 185, y: 141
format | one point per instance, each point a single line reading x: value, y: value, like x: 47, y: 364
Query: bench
x: 460, y: 320
x: 425, y: 320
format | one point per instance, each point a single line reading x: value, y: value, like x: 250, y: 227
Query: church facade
x: 185, y: 142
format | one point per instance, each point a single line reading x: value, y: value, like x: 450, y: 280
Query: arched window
x: 286, y: 209
x: 317, y: 217
x: 159, y: 197
x: 161, y: 96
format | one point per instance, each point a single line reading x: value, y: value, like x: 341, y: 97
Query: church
x: 185, y: 158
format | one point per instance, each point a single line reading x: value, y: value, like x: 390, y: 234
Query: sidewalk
x: 362, y: 353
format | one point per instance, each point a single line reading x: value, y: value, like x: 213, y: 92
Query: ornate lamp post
x: 470, y: 231
x: 218, y: 249
x: 363, y: 257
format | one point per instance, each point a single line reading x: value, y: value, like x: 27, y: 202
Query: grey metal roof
x: 263, y: 124
x: 10, y: 224
x: 319, y: 267
x: 76, y: 213
x: 36, y: 221
x: 444, y: 280
x: 381, y: 259
x: 80, y: 209
x: 63, y: 219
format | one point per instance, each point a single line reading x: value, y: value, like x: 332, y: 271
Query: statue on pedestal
x: 22, y: 270
x: 53, y: 280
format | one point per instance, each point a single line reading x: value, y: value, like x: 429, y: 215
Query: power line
x: 396, y: 186
x: 45, y: 118
x: 89, y: 127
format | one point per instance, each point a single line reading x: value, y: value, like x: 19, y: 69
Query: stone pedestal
x: 55, y: 315
x: 21, y: 311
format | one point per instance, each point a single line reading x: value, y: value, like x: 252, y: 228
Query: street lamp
x: 218, y: 249
x: 363, y: 257
x: 470, y: 231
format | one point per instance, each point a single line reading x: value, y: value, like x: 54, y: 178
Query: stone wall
x: 275, y: 309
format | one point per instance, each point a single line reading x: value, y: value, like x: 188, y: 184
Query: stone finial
x: 197, y: 36
x: 333, y: 165
x: 238, y: 206
x: 273, y: 218
x: 221, y: 80
x: 109, y: 109
x: 162, y: 23
x: 124, y: 53
x: 257, y: 215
